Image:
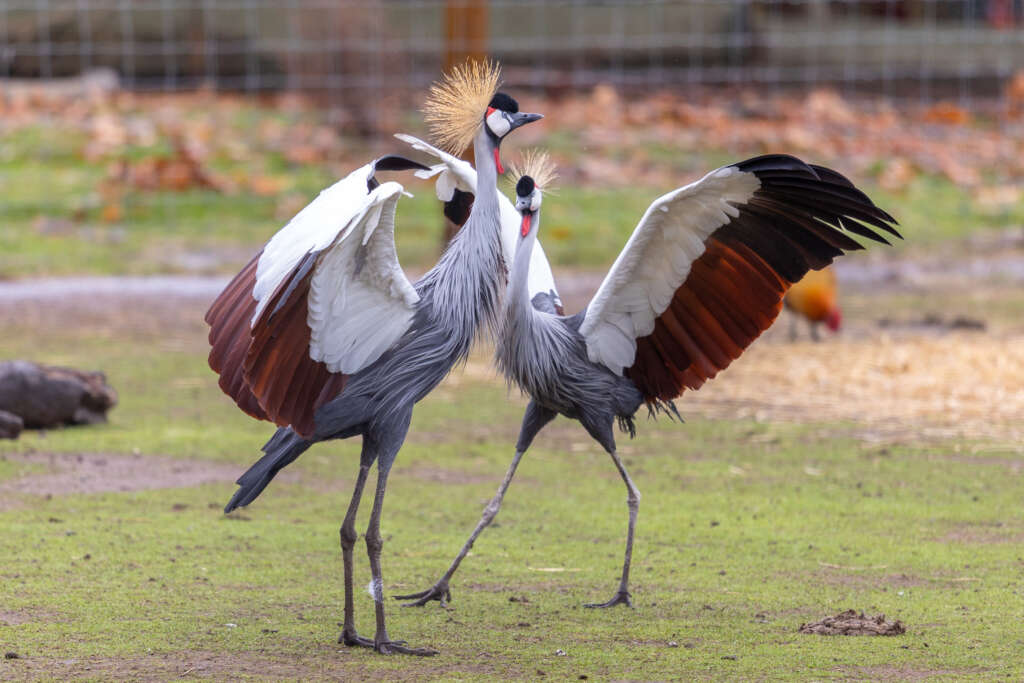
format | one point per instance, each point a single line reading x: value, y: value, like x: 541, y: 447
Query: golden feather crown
x: 456, y: 105
x: 537, y: 164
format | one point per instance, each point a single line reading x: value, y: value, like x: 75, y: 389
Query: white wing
x: 359, y: 300
x: 705, y: 271
x: 454, y: 173
x: 656, y: 261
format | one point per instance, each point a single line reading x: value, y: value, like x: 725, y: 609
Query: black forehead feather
x: 525, y: 186
x: 504, y: 102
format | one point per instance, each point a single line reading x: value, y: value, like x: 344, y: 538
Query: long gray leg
x: 601, y: 429
x: 533, y: 421
x: 633, y: 501
x: 392, y: 438
x: 348, y: 541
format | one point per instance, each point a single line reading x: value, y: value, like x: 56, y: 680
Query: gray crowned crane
x: 703, y: 274
x: 323, y: 334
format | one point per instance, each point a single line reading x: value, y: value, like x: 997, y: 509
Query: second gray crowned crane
x: 703, y: 274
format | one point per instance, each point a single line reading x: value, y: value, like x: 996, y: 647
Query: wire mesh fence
x: 218, y: 119
x: 353, y: 49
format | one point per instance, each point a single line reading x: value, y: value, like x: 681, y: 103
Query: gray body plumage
x: 546, y: 356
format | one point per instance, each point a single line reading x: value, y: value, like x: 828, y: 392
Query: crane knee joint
x: 374, y: 542
x: 348, y: 537
x: 490, y: 512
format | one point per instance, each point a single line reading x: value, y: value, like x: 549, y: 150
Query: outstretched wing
x: 456, y: 187
x: 705, y: 271
x: 322, y: 300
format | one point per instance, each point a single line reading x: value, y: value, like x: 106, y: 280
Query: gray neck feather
x: 468, y: 281
x: 531, y: 345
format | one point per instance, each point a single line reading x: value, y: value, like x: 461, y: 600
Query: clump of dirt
x: 850, y: 623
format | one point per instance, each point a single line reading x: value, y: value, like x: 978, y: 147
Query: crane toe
x: 354, y: 640
x: 395, y: 647
x: 621, y: 598
x: 439, y: 591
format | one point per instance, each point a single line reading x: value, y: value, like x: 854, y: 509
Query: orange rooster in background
x: 814, y: 298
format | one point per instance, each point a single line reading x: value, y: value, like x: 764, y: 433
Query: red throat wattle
x: 497, y: 162
x: 525, y: 229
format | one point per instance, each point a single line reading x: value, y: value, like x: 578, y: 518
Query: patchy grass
x: 746, y: 530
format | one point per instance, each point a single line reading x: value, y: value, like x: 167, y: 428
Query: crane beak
x: 524, y: 230
x: 521, y: 119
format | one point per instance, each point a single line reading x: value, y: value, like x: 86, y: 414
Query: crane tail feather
x: 281, y: 450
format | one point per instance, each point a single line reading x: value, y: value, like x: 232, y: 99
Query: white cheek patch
x: 498, y: 124
x: 535, y: 201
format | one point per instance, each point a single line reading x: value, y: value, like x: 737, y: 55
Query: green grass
x: 746, y: 530
x: 52, y: 216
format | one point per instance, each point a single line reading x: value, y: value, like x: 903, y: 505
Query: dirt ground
x: 71, y: 473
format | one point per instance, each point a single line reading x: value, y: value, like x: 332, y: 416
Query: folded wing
x: 705, y: 271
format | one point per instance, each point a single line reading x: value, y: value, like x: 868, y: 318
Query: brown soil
x: 71, y: 473
x: 983, y: 533
x: 850, y: 623
x: 24, y: 616
x: 192, y: 665
x: 959, y: 385
x: 333, y: 662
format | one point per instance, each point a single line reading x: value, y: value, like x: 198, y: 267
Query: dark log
x: 10, y: 425
x: 48, y: 396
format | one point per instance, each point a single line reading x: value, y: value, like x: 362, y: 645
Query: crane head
x: 528, y: 199
x: 501, y: 118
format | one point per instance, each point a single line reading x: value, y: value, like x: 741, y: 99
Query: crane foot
x: 354, y: 640
x: 386, y: 647
x: 621, y: 598
x: 439, y: 591
x: 394, y: 647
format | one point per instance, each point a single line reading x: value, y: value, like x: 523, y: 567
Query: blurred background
x: 173, y: 137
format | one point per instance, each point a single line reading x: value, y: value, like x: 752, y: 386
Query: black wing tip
x: 766, y: 163
x: 396, y: 162
x: 778, y: 166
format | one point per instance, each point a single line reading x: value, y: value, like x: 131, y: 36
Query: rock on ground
x: 10, y: 425
x: 48, y: 396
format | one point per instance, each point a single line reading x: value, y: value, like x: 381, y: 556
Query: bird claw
x: 621, y: 598
x: 354, y: 640
x: 439, y: 591
x: 386, y: 647
x: 390, y: 647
